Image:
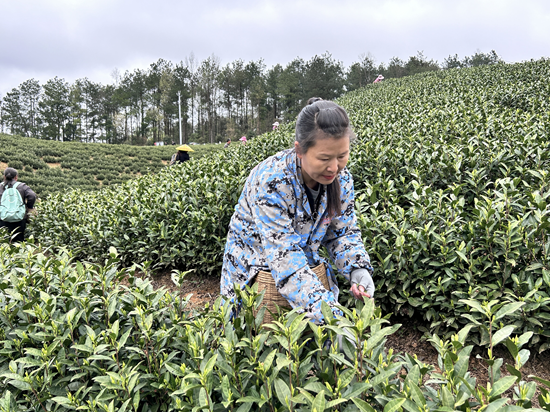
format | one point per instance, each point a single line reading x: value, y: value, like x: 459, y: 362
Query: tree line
x: 217, y: 102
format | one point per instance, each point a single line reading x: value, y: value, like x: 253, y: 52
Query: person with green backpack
x: 16, y: 201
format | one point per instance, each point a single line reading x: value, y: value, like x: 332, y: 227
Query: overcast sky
x: 73, y: 39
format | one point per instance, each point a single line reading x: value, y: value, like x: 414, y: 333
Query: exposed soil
x: 410, y: 340
x: 3, y: 166
x: 203, y: 289
x: 54, y: 165
x: 407, y: 339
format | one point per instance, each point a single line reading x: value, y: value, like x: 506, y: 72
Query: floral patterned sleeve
x: 343, y: 238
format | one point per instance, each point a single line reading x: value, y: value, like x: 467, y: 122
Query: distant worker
x: 378, y: 79
x: 182, y: 155
x: 227, y: 144
x: 16, y: 202
x: 243, y: 140
x: 275, y: 125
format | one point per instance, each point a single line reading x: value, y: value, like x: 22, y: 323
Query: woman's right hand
x: 362, y: 284
x: 359, y: 292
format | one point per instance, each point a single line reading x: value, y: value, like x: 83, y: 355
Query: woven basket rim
x: 272, y: 297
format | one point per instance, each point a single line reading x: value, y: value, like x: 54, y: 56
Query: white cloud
x: 78, y: 38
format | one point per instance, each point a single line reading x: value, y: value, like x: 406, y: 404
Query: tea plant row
x: 73, y: 337
x: 50, y: 167
x: 452, y: 183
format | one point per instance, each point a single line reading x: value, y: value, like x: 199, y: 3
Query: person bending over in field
x: 292, y: 204
x: 16, y: 202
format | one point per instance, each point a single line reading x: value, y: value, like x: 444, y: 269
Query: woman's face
x: 324, y: 160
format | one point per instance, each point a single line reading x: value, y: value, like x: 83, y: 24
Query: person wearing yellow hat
x: 182, y: 155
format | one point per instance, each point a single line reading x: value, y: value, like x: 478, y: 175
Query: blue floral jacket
x: 274, y: 229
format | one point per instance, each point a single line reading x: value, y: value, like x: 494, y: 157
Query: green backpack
x: 12, y: 208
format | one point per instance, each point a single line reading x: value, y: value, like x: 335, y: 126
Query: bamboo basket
x: 273, y: 299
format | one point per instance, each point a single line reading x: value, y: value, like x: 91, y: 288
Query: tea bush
x: 451, y: 177
x: 452, y: 199
x: 37, y: 161
x: 74, y: 338
x: 166, y: 218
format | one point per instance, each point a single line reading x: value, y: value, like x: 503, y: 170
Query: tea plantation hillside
x: 452, y: 184
x: 50, y: 167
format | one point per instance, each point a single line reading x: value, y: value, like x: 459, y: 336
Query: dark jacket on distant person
x: 182, y: 156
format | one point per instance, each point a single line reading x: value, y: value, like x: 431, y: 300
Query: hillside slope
x: 451, y: 177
